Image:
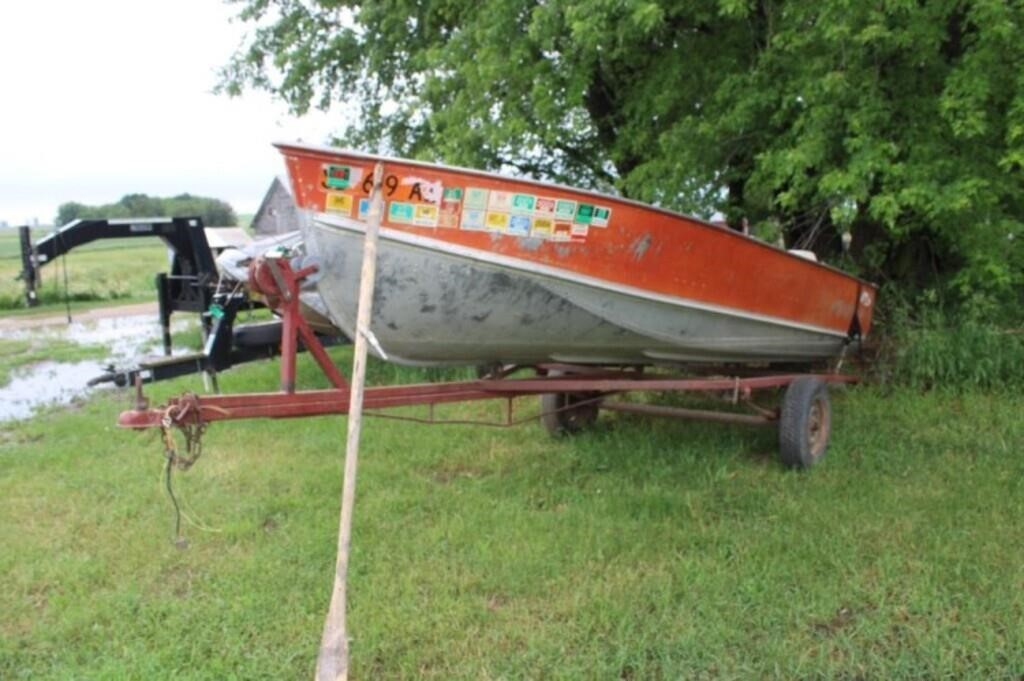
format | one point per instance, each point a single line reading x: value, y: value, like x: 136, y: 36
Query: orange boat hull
x: 613, y: 280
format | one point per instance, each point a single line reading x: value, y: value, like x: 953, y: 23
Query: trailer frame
x: 571, y: 394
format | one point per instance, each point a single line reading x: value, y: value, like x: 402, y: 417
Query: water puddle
x: 46, y: 383
x: 125, y: 339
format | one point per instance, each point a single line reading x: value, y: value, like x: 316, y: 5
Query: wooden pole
x: 332, y: 661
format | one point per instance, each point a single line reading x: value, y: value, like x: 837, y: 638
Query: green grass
x: 644, y: 549
x: 116, y: 270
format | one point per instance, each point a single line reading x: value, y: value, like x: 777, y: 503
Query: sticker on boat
x: 544, y: 206
x: 499, y: 200
x: 601, y: 216
x: 338, y: 203
x: 449, y: 216
x: 519, y: 225
x: 542, y: 227
x: 401, y: 213
x: 425, y: 215
x: 584, y: 214
x: 523, y: 202
x: 473, y: 219
x: 565, y: 210
x: 562, y: 232
x: 340, y: 177
x: 476, y: 198
x: 497, y: 222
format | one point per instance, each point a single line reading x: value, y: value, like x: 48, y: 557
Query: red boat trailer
x: 571, y: 395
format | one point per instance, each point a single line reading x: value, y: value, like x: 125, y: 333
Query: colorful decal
x: 473, y: 218
x: 430, y: 204
x: 602, y: 216
x: 497, y: 222
x: 338, y: 203
x: 341, y: 177
x: 563, y: 231
x: 448, y: 218
x: 544, y: 206
x: 450, y: 209
x: 565, y: 210
x: 425, y: 215
x: 523, y: 202
x: 476, y: 198
x: 519, y: 225
x: 542, y: 228
x: 499, y: 200
x: 584, y: 213
x: 401, y: 213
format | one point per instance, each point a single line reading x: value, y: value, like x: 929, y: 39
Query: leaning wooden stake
x: 332, y: 662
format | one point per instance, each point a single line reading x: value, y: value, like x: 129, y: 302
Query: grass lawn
x: 644, y: 549
x: 114, y: 270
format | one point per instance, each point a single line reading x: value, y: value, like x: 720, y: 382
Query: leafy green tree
x: 69, y: 212
x: 214, y: 212
x: 900, y: 122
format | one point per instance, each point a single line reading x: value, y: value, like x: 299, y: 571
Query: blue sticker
x: 519, y: 225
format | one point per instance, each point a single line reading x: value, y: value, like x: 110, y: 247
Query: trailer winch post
x: 332, y: 661
x: 29, y: 271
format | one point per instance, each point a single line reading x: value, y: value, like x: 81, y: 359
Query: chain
x: 175, y: 416
x: 192, y: 430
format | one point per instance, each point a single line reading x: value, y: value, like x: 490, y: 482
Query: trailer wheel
x: 805, y: 422
x: 569, y: 413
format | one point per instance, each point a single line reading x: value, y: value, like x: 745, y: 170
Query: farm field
x: 99, y: 273
x: 643, y: 549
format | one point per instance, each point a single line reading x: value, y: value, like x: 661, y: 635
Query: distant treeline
x: 214, y: 212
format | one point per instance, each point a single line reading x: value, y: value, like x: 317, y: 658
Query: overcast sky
x: 101, y: 98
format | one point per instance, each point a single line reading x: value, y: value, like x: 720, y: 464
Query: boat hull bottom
x: 434, y: 307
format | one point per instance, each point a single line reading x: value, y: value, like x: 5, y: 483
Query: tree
x: 214, y: 212
x: 900, y: 122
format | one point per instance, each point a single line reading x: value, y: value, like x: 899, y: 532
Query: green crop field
x: 643, y: 549
x: 102, y: 272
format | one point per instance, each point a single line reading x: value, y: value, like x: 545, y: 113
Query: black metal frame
x: 190, y: 286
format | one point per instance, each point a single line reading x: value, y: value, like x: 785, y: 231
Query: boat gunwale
x: 335, y: 151
x: 329, y: 221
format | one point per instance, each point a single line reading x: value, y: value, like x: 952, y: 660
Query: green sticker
x: 453, y: 194
x: 584, y: 214
x: 401, y: 212
x: 337, y: 177
x: 601, y: 216
x: 476, y: 198
x: 523, y: 202
x: 565, y: 210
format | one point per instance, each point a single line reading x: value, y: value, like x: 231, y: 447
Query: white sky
x: 101, y: 98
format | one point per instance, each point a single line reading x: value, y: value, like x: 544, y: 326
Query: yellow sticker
x: 426, y: 215
x: 338, y: 203
x: 497, y: 222
x: 542, y: 227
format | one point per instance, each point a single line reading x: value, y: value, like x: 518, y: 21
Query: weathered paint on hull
x: 433, y: 305
x: 489, y: 268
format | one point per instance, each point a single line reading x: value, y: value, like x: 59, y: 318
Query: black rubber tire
x: 257, y: 334
x: 561, y: 418
x: 804, y: 423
